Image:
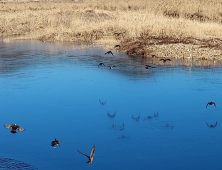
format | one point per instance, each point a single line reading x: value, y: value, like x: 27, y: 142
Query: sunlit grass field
x: 166, y: 28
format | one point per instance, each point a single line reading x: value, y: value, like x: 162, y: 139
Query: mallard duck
x: 90, y: 158
x: 165, y: 59
x: 211, y: 103
x: 55, y: 142
x: 14, y: 127
x: 109, y: 52
x: 211, y: 126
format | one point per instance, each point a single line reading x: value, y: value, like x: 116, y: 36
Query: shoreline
x: 109, y: 23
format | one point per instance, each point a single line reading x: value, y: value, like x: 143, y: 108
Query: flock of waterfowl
x: 147, y: 66
x: 90, y: 157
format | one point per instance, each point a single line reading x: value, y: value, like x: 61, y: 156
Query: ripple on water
x: 7, y: 163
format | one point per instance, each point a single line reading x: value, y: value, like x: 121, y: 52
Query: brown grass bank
x: 183, y: 29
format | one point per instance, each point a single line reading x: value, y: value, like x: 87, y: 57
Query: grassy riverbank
x: 183, y: 29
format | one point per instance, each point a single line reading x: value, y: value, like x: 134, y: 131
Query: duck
x: 211, y: 103
x: 117, y: 33
x: 91, y: 156
x: 148, y: 66
x: 55, y: 142
x: 165, y: 59
x: 109, y: 52
x: 14, y: 127
x: 101, y: 64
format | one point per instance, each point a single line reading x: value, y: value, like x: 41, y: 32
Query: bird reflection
x: 102, y: 103
x: 122, y: 128
x: 111, y: 67
x: 169, y: 126
x: 118, y: 126
x: 123, y: 136
x: 111, y: 116
x: 14, y: 127
x: 109, y: 52
x: 55, y: 142
x: 156, y: 114
x: 165, y: 59
x: 211, y: 126
x: 136, y: 118
x: 90, y: 158
x: 114, y: 126
x: 211, y: 103
x: 148, y: 117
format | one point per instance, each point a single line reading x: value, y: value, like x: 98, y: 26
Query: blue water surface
x: 54, y: 91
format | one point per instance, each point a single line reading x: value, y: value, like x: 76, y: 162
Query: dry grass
x: 146, y: 26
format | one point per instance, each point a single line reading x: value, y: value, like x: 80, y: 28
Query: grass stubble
x: 180, y: 29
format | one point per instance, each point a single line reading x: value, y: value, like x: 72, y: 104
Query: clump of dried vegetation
x: 167, y: 28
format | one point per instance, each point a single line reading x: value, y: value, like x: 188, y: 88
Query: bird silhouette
x: 211, y: 103
x: 111, y: 116
x: 109, y: 52
x: 55, y: 142
x: 117, y: 33
x: 102, y: 103
x: 14, y: 127
x: 90, y: 157
x: 211, y: 126
x: 101, y: 64
x: 165, y: 59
